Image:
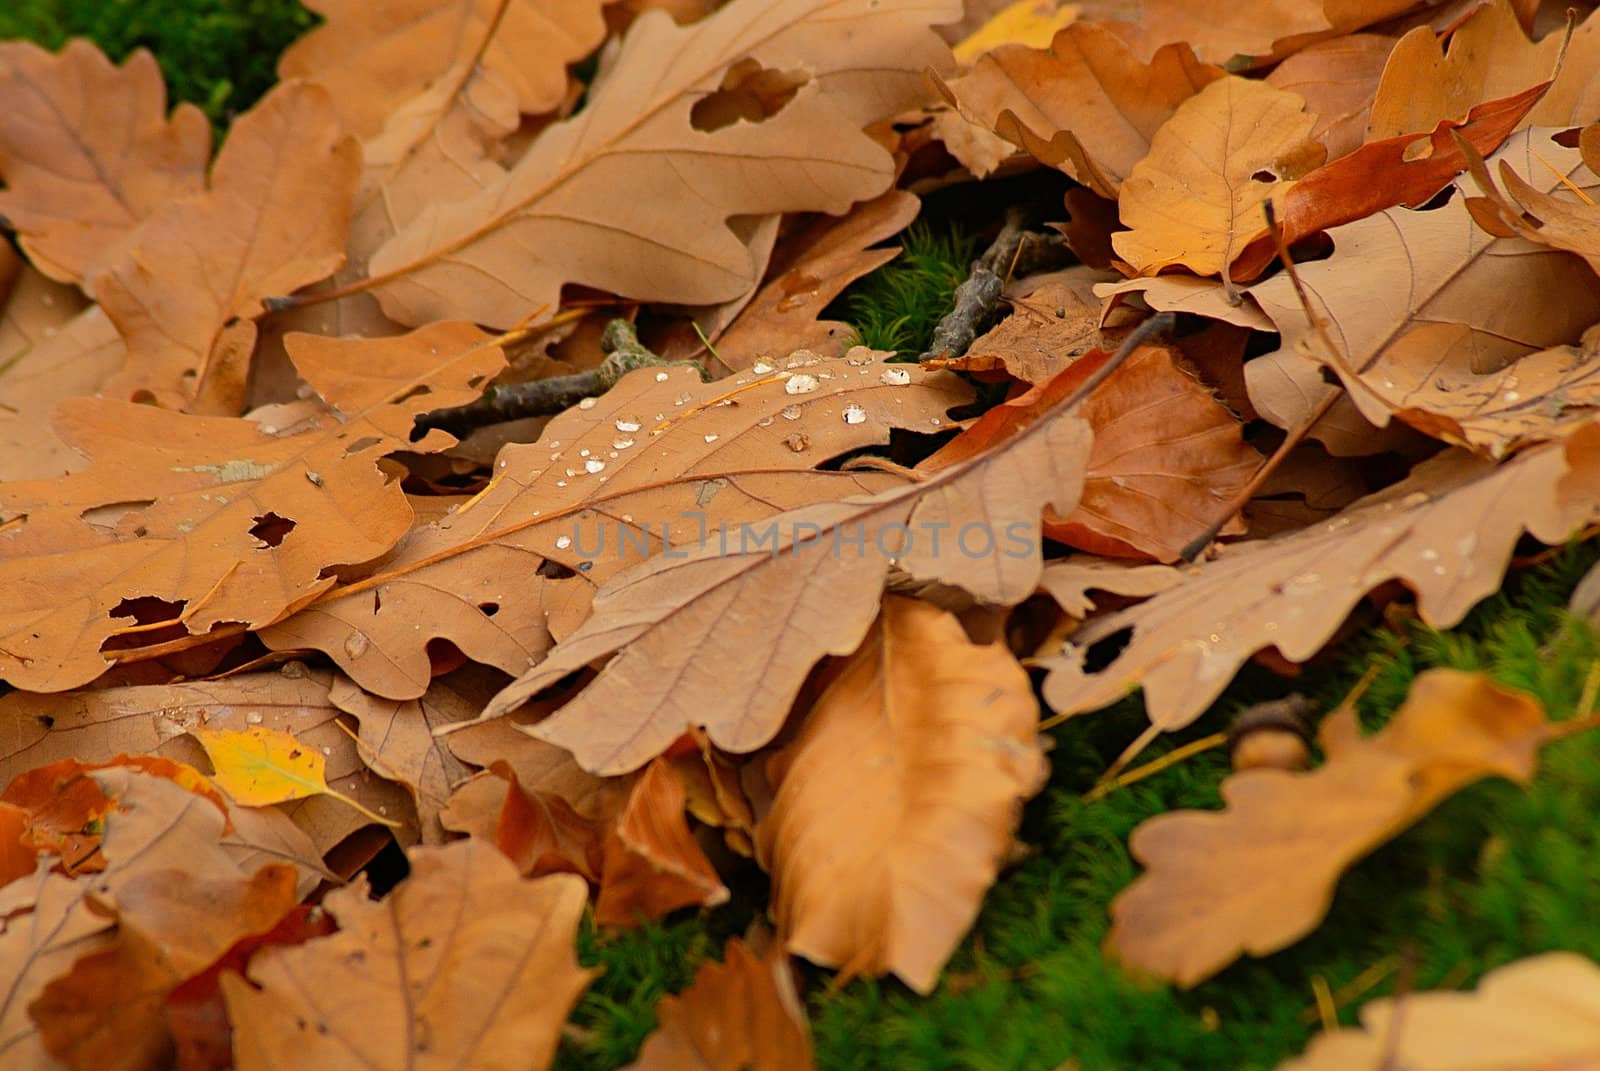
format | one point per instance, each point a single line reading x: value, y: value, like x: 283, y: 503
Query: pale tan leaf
x: 897, y: 801
x: 1196, y: 199
x: 658, y: 458
x: 200, y: 503
x: 1085, y: 104
x: 1069, y: 580
x: 1537, y: 1014
x: 274, y: 217
x: 373, y: 56
x: 1260, y: 875
x: 810, y: 588
x: 1412, y: 300
x: 1446, y: 531
x: 88, y: 152
x: 1050, y: 325
x: 464, y: 964
x: 569, y: 211
x: 742, y: 1014
x: 1224, y: 30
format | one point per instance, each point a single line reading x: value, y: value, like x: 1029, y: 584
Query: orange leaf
x: 652, y: 863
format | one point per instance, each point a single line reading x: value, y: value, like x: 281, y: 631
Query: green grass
x: 1495, y: 873
x: 218, y: 54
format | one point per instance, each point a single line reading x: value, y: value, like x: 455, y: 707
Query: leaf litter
x: 703, y: 613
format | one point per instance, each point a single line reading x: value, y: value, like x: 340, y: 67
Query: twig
x: 543, y: 397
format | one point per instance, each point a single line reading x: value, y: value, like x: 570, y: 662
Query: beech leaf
x: 897, y: 800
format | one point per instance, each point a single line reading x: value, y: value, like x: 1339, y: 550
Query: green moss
x: 218, y: 54
x: 898, y: 306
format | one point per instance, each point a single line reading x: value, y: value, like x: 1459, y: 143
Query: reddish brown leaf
x: 652, y: 863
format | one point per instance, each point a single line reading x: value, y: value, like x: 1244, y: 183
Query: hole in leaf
x: 1264, y: 175
x: 1568, y: 138
x: 554, y: 570
x: 749, y: 92
x: 489, y: 609
x: 1103, y: 652
x: 145, y: 609
x: 271, y: 529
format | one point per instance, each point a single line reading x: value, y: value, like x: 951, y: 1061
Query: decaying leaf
x: 372, y: 56
x: 658, y: 459
x: 1196, y: 199
x: 897, y: 801
x: 234, y: 520
x: 1051, y: 324
x: 88, y: 152
x: 538, y: 831
x: 652, y: 864
x: 1446, y: 531
x: 1086, y: 104
x: 1540, y: 1012
x: 742, y: 1013
x: 569, y: 210
x: 463, y: 964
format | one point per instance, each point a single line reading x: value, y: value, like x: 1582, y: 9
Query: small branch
x: 545, y: 397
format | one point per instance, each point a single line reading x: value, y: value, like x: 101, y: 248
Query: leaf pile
x: 768, y: 599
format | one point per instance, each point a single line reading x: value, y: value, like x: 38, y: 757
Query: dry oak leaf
x: 371, y: 56
x: 1423, y: 335
x: 743, y: 1014
x: 658, y: 457
x: 106, y: 1014
x: 95, y: 726
x: 43, y: 360
x: 1336, y: 79
x: 652, y: 863
x: 1406, y: 170
x: 1196, y: 199
x: 1541, y: 1013
x: 237, y: 519
x: 809, y: 587
x: 1490, y: 56
x: 1221, y: 31
x: 464, y: 964
x: 275, y: 217
x: 1446, y: 531
x: 1084, y: 104
x: 88, y: 152
x: 1260, y: 875
x: 1051, y: 324
x: 45, y: 926
x: 1069, y: 580
x: 538, y: 831
x: 1560, y: 212
x: 897, y: 801
x: 1166, y: 454
x: 630, y: 196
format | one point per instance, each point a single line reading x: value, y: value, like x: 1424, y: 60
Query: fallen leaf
x: 652, y: 864
x: 1419, y: 335
x: 897, y: 801
x: 742, y: 1014
x: 1084, y: 104
x: 1050, y: 325
x: 538, y: 831
x: 43, y: 362
x: 1196, y: 199
x: 200, y: 497
x: 464, y: 964
x: 1446, y: 531
x: 1069, y: 580
x: 809, y: 596
x: 88, y: 152
x: 685, y: 464
x: 1539, y: 1012
x: 274, y: 218
x: 256, y: 766
x: 1260, y: 875
x: 1558, y: 212
x: 1032, y: 23
x: 1490, y: 56
x: 106, y: 1013
x: 1166, y: 454
x: 45, y: 927
x: 371, y: 56
x: 500, y: 256
x: 1336, y: 79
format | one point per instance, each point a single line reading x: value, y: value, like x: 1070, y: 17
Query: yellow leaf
x: 1027, y: 22
x: 258, y: 767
